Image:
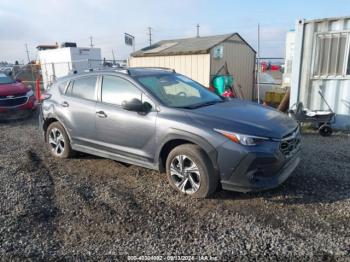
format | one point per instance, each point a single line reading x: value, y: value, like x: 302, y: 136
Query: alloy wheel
x: 185, y: 174
x: 56, y: 141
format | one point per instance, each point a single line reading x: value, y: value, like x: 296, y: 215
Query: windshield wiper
x: 209, y: 103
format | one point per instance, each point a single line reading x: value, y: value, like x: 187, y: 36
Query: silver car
x: 159, y: 119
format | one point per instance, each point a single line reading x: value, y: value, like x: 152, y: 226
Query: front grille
x: 290, y: 143
x: 13, y: 96
x: 10, y: 102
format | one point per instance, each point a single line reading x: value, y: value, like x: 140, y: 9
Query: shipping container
x: 321, y: 62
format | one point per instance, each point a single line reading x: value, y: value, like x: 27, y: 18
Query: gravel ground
x: 94, y: 208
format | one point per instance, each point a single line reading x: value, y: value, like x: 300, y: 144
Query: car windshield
x: 176, y: 90
x: 4, y: 79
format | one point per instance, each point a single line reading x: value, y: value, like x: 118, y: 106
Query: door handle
x: 65, y: 104
x: 101, y: 114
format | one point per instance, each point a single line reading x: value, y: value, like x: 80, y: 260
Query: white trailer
x: 61, y: 62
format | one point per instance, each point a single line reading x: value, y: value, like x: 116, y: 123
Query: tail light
x: 45, y: 96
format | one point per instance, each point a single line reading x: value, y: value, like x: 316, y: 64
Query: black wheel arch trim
x: 176, y: 134
x: 50, y: 116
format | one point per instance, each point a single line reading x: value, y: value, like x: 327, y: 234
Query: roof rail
x: 154, y: 67
x: 123, y: 70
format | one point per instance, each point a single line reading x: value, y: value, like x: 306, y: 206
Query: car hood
x: 244, y: 117
x: 13, y: 89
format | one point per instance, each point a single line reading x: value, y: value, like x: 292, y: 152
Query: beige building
x: 200, y: 58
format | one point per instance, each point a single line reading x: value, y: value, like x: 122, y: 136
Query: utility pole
x: 27, y: 51
x: 150, y: 35
x: 91, y: 45
x: 113, y: 57
x: 197, y: 30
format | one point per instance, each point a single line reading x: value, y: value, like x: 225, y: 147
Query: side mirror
x: 135, y: 105
x: 18, y: 80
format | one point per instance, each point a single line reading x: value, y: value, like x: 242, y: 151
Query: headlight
x: 30, y: 93
x: 246, y: 140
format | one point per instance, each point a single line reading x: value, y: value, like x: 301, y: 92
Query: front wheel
x: 58, y: 141
x: 189, y: 171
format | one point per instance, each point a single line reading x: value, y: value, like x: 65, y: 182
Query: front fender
x: 176, y: 134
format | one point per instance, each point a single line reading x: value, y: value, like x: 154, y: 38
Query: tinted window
x: 115, y: 90
x: 83, y: 88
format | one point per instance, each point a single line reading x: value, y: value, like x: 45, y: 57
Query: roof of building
x: 45, y: 47
x: 185, y: 46
x: 325, y: 19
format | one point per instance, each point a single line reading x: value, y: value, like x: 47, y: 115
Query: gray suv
x: 159, y: 119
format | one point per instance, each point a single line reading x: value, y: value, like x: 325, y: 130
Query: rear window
x: 83, y: 88
x: 4, y: 79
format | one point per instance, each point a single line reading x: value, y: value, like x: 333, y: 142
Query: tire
x: 200, y: 181
x: 59, y: 144
x: 325, y: 130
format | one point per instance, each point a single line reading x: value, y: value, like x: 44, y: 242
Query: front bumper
x: 19, y: 112
x: 256, y: 168
x: 30, y: 104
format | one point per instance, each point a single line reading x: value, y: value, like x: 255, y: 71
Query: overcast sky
x: 48, y: 21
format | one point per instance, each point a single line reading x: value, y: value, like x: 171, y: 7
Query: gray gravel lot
x: 94, y: 208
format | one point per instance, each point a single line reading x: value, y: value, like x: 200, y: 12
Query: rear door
x: 78, y: 106
x: 123, y: 132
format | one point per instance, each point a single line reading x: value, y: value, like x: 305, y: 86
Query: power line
x: 150, y: 35
x: 91, y: 45
x: 27, y: 51
x: 197, y: 30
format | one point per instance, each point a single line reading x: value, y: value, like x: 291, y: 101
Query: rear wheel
x: 58, y: 141
x: 189, y: 171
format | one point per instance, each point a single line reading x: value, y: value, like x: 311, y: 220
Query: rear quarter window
x: 83, y: 88
x: 62, y: 86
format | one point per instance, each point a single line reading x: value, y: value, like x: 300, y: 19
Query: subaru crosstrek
x: 159, y: 119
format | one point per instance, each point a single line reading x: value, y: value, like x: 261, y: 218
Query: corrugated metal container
x: 201, y: 58
x: 321, y: 62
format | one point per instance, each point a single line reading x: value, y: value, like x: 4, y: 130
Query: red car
x: 16, y: 100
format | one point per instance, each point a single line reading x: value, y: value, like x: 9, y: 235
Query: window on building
x: 330, y: 55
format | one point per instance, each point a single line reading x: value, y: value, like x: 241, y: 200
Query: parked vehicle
x: 16, y: 100
x: 162, y: 120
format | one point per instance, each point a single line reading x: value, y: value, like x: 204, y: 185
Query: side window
x: 83, y: 88
x: 62, y: 86
x: 115, y: 90
x: 69, y: 88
